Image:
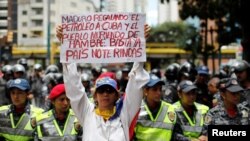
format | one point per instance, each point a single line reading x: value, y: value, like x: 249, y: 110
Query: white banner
x: 103, y: 38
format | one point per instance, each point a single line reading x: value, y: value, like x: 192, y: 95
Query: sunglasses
x: 108, y: 90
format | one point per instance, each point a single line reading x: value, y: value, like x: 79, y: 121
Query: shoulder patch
x: 167, y: 92
x: 77, y: 126
x: 171, y: 116
x: 208, y: 119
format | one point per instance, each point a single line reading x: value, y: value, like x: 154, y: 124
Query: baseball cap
x: 186, y: 86
x: 107, y: 74
x: 154, y: 80
x: 57, y: 91
x: 203, y: 70
x: 19, y: 83
x: 106, y: 81
x: 233, y: 86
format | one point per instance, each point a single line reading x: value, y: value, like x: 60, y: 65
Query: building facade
x: 36, y: 15
x: 3, y: 18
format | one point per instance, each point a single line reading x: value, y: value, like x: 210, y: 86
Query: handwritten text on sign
x: 103, y: 38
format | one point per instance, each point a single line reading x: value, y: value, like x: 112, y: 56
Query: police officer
x: 59, y: 123
x: 51, y: 69
x: 157, y: 72
x: 190, y: 114
x: 19, y: 71
x: 229, y: 112
x: 214, y: 91
x: 7, y: 71
x: 23, y: 62
x: 187, y: 72
x: 242, y: 70
x: 16, y: 119
x: 157, y: 118
x: 50, y: 81
x: 202, y: 78
x: 170, y: 95
x: 36, y: 85
x: 86, y: 82
x: 124, y: 78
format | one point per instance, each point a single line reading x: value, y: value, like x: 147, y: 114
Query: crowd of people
x: 176, y: 105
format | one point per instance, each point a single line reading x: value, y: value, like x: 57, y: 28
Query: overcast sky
x: 97, y: 2
x: 152, y: 11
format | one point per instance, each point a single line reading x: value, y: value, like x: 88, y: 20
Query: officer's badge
x: 77, y: 126
x: 33, y: 122
x: 208, y: 119
x: 171, y: 116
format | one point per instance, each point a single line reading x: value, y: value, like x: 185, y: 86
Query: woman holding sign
x: 111, y: 117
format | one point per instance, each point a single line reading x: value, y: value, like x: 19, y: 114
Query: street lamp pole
x: 101, y: 5
x: 48, y: 35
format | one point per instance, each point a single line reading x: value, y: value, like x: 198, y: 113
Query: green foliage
x: 224, y: 12
x: 168, y: 32
x: 184, y: 35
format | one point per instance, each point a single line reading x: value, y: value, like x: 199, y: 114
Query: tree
x: 180, y: 33
x: 230, y: 16
x: 244, y: 21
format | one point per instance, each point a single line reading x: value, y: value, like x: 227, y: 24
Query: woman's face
x: 154, y: 94
x: 188, y: 98
x: 18, y: 97
x: 106, y: 96
x: 61, y: 104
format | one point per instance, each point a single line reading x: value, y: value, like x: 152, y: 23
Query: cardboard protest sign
x: 103, y: 38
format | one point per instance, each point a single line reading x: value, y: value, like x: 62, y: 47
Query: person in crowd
x: 23, y: 62
x: 7, y: 72
x: 36, y: 86
x: 157, y: 72
x: 86, y: 82
x: 19, y: 71
x: 229, y: 112
x: 214, y: 91
x: 52, y: 69
x: 170, y: 95
x: 16, y: 122
x: 96, y: 72
x: 59, y: 123
x: 242, y: 70
x: 187, y: 71
x: 50, y: 81
x: 124, y: 78
x: 190, y: 114
x: 156, y: 118
x: 202, y: 78
x: 111, y: 117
